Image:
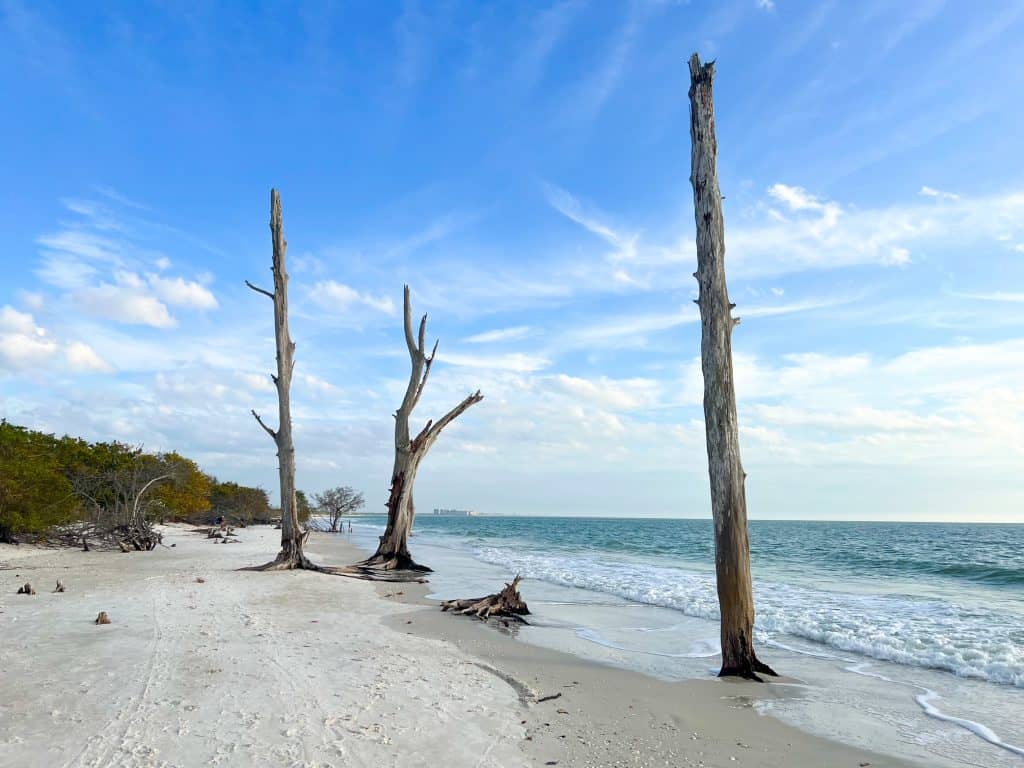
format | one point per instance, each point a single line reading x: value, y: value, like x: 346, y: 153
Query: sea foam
x: 931, y: 633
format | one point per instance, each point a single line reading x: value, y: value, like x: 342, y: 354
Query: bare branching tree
x: 728, y: 497
x: 393, y: 551
x: 119, y: 496
x: 292, y: 537
x: 335, y: 503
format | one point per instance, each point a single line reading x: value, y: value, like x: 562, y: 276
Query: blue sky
x: 524, y: 167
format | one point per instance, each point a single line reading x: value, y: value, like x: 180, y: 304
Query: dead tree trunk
x: 393, y: 550
x: 728, y: 497
x: 292, y: 537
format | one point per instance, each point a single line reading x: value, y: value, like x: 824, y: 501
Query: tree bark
x: 393, y: 550
x: 728, y: 497
x: 292, y: 537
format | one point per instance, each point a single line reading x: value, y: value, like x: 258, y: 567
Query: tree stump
x: 507, y: 604
x: 102, y: 618
x: 60, y: 586
x: 26, y: 590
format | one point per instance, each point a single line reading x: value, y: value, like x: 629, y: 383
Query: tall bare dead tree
x: 393, y: 550
x: 292, y: 537
x: 728, y: 497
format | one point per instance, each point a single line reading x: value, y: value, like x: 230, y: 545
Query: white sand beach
x: 302, y: 669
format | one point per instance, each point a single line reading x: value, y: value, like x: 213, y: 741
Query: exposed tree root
x: 400, y: 562
x: 357, y: 571
x: 749, y: 670
x: 507, y: 603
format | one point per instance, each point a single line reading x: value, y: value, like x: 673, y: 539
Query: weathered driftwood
x: 102, y: 618
x: 60, y: 586
x: 28, y: 589
x: 506, y: 604
x: 138, y: 538
x: 393, y: 550
x: 728, y: 497
x: 292, y: 537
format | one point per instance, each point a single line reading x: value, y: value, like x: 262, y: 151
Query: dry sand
x: 301, y: 669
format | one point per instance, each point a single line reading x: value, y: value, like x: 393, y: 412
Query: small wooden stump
x: 28, y: 589
x: 507, y: 604
x: 200, y: 580
x: 60, y: 586
x: 103, y: 618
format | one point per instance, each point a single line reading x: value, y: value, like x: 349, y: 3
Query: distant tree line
x: 52, y: 486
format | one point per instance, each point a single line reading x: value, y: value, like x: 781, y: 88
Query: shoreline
x: 606, y: 715
x: 194, y: 673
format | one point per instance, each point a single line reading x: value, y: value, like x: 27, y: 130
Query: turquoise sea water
x: 945, y: 596
x: 905, y: 634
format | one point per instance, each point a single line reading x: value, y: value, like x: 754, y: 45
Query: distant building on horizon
x: 456, y: 512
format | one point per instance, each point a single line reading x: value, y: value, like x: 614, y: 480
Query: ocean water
x: 905, y: 635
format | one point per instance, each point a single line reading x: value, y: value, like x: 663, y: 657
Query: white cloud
x: 498, y: 335
x: 634, y: 328
x: 994, y: 296
x: 766, y: 5
x: 334, y: 295
x: 163, y: 263
x: 317, y: 385
x: 798, y: 198
x: 24, y: 346
x: 125, y: 302
x: 32, y: 300
x: 257, y: 382
x: 570, y: 207
x: 84, y: 245
x: 622, y: 394
x: 81, y: 357
x: 825, y: 235
x: 938, y: 194
x: 512, y: 362
x: 178, y: 291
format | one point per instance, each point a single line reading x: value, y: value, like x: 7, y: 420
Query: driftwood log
x: 102, y: 618
x: 60, y: 586
x: 136, y: 538
x: 28, y: 589
x: 506, y: 604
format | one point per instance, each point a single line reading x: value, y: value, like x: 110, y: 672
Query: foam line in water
x: 924, y: 700
x: 980, y: 642
x: 710, y: 648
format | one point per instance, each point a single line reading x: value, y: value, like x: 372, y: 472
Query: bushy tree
x: 35, y: 494
x: 302, y: 506
x: 240, y: 504
x: 187, y: 496
x: 335, y: 503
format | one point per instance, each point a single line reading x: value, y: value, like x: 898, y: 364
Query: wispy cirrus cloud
x: 623, y: 243
x: 499, y: 335
x: 336, y: 296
